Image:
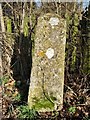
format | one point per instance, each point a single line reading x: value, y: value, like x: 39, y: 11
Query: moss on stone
x: 43, y: 103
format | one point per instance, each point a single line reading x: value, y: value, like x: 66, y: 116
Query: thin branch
x: 1, y: 44
x: 30, y: 13
x: 12, y: 8
x: 71, y: 90
x: 23, y: 16
x: 2, y: 19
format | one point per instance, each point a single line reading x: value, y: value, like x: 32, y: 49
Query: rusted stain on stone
x: 47, y: 76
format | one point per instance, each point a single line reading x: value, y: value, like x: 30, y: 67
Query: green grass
x: 25, y: 112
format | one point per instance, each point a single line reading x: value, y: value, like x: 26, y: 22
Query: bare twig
x: 71, y: 90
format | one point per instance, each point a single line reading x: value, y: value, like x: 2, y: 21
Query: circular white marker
x: 54, y: 21
x: 49, y: 53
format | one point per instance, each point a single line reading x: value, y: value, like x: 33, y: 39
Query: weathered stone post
x: 47, y: 76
